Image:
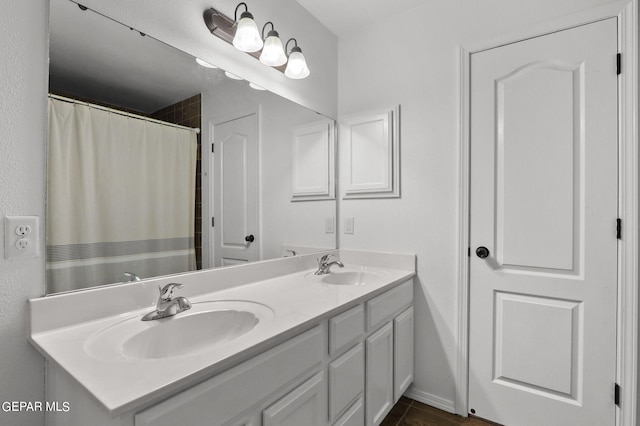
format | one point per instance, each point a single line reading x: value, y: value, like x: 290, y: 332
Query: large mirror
x: 158, y: 164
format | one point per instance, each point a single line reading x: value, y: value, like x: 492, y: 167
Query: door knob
x: 482, y: 252
x: 249, y: 238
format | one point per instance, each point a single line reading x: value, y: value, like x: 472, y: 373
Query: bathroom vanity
x: 268, y: 343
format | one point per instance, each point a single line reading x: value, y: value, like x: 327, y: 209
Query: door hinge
x: 616, y: 394
x: 619, y: 63
x: 619, y: 228
x: 212, y: 222
x: 212, y: 149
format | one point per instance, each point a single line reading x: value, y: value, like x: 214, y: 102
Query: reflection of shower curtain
x: 120, y: 197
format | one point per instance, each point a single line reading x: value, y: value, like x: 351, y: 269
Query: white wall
x: 180, y: 24
x: 412, y: 59
x: 23, y: 85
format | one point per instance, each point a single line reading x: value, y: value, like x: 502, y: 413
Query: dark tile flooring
x: 408, y: 412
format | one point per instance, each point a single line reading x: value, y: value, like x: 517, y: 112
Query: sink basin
x: 207, y: 325
x: 348, y: 275
x: 350, y: 278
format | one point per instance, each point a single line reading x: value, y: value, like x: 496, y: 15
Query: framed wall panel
x: 371, y: 163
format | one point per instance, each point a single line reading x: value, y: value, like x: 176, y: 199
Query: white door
x: 235, y: 162
x: 543, y: 209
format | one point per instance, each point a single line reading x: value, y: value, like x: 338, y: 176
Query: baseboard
x: 432, y: 400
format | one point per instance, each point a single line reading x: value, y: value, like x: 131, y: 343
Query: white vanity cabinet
x: 227, y: 397
x: 346, y: 369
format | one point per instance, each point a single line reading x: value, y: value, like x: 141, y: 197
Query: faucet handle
x: 166, y: 292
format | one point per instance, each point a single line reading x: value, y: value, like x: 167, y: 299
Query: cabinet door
x: 403, y: 353
x: 302, y: 406
x: 346, y: 380
x: 379, y: 381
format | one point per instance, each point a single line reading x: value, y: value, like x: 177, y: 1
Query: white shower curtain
x: 120, y: 197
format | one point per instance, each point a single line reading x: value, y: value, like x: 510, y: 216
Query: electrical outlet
x: 21, y: 235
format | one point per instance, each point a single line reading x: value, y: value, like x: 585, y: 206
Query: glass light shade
x: 255, y: 86
x: 297, y: 66
x: 247, y: 38
x: 273, y: 52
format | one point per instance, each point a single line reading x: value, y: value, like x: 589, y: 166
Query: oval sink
x: 207, y: 325
x: 188, y: 334
x: 351, y: 278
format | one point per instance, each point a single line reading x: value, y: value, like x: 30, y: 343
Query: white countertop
x: 298, y: 300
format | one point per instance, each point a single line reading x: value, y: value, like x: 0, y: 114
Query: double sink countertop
x: 283, y: 293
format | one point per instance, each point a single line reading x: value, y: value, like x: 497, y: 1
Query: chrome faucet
x: 324, y: 265
x: 168, y: 306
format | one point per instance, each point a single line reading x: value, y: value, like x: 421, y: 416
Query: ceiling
x: 341, y: 16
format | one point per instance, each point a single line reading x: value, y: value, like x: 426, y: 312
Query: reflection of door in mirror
x: 235, y: 198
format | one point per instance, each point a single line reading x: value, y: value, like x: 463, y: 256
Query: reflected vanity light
x: 232, y: 76
x: 255, y: 86
x: 272, y: 53
x: 205, y: 63
x: 297, y: 66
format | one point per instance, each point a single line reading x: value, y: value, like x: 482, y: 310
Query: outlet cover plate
x: 21, y: 237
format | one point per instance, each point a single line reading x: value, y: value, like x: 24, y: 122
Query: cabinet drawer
x: 301, y: 406
x: 353, y: 417
x: 382, y: 308
x: 346, y: 380
x: 227, y: 395
x: 345, y: 328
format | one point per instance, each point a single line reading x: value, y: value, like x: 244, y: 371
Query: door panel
x: 544, y: 202
x: 538, y: 341
x: 538, y: 115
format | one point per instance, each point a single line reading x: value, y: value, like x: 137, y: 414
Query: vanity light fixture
x: 205, y: 63
x: 247, y: 38
x: 297, y: 66
x: 272, y: 53
x: 255, y: 86
x: 244, y: 35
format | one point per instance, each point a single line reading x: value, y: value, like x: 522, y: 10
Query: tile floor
x: 408, y: 412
